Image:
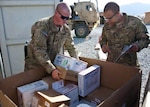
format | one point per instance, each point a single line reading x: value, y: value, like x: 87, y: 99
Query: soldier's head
x: 62, y: 13
x: 112, y: 12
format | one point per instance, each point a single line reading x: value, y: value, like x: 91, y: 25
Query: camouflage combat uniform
x: 125, y: 33
x: 47, y: 40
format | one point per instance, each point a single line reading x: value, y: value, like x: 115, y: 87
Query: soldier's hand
x: 134, y: 48
x: 100, y: 38
x: 105, y: 49
x: 55, y: 74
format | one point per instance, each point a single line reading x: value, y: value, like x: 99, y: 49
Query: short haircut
x: 112, y: 6
x: 62, y: 5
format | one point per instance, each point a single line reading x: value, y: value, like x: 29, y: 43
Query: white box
x: 88, y: 80
x: 26, y: 92
x: 85, y: 103
x: 70, y: 90
x: 58, y: 84
x: 70, y: 63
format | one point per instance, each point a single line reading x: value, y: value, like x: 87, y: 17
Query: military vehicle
x: 84, y: 18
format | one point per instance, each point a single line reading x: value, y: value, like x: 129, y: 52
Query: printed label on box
x: 70, y: 63
x: 58, y: 84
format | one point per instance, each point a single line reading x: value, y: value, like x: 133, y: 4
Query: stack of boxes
x: 68, y: 89
x: 82, y: 81
x: 88, y: 79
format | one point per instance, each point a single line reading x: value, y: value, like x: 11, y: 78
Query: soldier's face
x: 111, y: 17
x: 61, y: 17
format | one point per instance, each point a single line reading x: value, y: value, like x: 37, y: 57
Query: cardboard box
x: 49, y: 98
x: 146, y: 97
x: 70, y: 63
x: 69, y: 89
x: 124, y: 81
x: 49, y: 80
x: 26, y: 92
x: 63, y: 105
x: 88, y: 80
x: 5, y: 101
x: 68, y: 74
x: 99, y: 95
x: 9, y: 85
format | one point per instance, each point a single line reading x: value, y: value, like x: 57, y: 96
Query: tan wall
x: 16, y: 19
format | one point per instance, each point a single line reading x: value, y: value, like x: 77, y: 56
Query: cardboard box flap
x: 49, y: 98
x: 126, y: 95
x: 146, y: 97
x: 99, y: 95
x: 54, y: 98
x: 5, y: 101
x: 68, y: 74
x: 147, y: 87
x: 146, y: 102
x: 9, y: 85
x: 113, y: 73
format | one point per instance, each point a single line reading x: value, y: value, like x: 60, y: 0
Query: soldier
x: 121, y: 30
x: 49, y: 35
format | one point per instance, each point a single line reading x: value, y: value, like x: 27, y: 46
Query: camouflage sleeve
x: 103, y: 40
x: 69, y: 45
x: 142, y: 36
x: 40, y: 49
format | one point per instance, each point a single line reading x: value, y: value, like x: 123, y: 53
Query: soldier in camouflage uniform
x: 121, y: 30
x: 49, y: 35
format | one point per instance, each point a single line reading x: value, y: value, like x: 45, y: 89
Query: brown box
x: 49, y: 98
x: 68, y: 74
x: 49, y: 80
x: 124, y: 81
x: 5, y: 101
x: 99, y: 95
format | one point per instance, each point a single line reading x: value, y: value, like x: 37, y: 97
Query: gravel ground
x: 86, y: 47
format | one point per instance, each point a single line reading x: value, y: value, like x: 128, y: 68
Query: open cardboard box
x: 119, y: 85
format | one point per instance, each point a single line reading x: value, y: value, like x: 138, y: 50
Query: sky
x: 103, y: 2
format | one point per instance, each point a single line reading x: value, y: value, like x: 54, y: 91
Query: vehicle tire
x: 81, y: 30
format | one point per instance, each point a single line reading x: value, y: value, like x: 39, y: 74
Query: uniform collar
x: 123, y: 22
